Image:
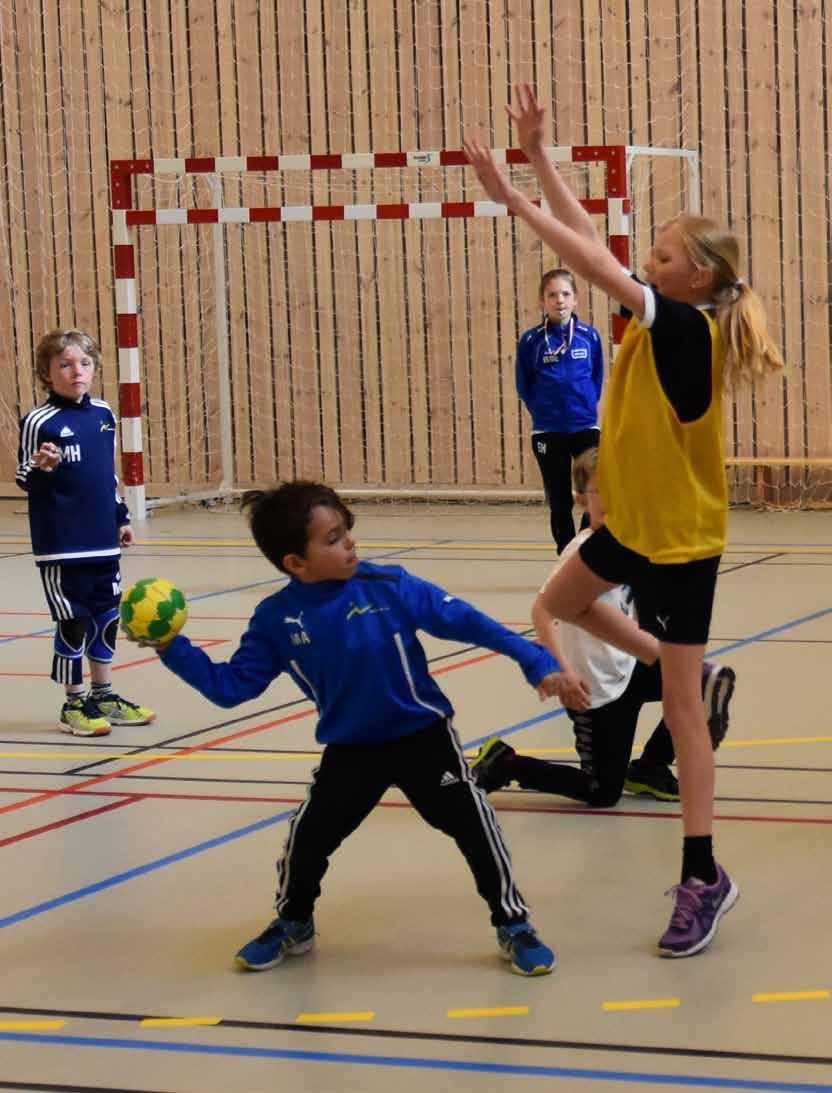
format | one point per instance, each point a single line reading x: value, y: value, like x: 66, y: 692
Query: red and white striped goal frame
x: 615, y: 205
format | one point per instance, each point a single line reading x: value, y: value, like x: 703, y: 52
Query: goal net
x: 378, y: 353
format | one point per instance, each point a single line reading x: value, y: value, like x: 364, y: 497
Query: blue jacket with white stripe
x: 560, y: 390
x: 351, y: 647
x: 75, y: 511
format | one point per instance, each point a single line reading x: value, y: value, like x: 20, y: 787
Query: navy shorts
x: 674, y: 602
x: 79, y: 591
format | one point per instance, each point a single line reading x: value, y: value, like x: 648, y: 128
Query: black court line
x: 449, y: 1037
x: 52, y: 1087
x: 745, y: 565
x: 171, y: 740
x: 576, y: 808
x: 84, y: 768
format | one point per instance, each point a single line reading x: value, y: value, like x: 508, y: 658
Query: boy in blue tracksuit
x: 345, y: 631
x: 78, y: 523
x: 559, y: 375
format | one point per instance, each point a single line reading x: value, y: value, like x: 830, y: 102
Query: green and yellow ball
x: 153, y: 609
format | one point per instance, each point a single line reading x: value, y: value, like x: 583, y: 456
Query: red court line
x: 70, y: 820
x: 202, y: 643
x: 238, y: 798
x: 49, y: 795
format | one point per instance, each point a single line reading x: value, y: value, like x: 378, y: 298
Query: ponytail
x: 750, y: 351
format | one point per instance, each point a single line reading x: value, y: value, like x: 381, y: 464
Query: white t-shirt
x: 605, y: 669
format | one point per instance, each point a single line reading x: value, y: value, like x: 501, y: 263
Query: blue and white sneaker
x: 528, y: 955
x: 280, y: 937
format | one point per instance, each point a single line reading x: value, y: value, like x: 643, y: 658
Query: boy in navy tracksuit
x: 559, y: 375
x: 78, y: 525
x: 345, y: 631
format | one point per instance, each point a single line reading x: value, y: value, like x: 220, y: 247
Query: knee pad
x: 68, y: 661
x: 101, y: 640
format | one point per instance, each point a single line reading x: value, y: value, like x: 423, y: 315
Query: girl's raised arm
x: 589, y: 258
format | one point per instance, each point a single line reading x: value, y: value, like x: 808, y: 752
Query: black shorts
x: 674, y: 602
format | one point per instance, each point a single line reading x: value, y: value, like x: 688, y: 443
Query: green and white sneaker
x: 119, y: 711
x: 81, y: 717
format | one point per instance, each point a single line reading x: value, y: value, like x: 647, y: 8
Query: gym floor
x: 137, y: 864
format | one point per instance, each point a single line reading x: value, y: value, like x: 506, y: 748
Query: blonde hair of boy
x: 750, y: 351
x: 55, y: 342
x: 583, y: 468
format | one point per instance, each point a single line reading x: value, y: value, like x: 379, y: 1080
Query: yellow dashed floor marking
x: 643, y: 1004
x: 789, y: 996
x: 496, y: 1011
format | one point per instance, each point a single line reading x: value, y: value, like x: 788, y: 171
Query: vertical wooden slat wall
x: 382, y: 353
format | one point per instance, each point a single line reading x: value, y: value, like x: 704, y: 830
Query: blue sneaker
x: 528, y: 955
x: 279, y: 938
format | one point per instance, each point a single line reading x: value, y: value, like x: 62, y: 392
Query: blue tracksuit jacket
x: 561, y: 392
x: 351, y: 647
x: 75, y: 511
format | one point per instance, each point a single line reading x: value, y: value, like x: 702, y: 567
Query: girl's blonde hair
x: 55, y: 342
x: 583, y: 468
x: 750, y: 351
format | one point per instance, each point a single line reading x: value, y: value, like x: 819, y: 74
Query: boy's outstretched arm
x: 443, y: 615
x: 246, y: 675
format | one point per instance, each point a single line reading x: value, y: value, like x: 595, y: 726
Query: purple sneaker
x: 699, y: 907
x: 717, y: 688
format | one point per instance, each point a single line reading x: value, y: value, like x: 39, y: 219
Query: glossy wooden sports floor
x: 134, y: 866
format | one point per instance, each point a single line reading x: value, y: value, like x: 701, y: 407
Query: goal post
x: 354, y: 317
x: 611, y: 201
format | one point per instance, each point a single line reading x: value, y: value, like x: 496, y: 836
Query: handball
x: 153, y: 610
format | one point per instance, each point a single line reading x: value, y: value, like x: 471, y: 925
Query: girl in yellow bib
x: 695, y: 327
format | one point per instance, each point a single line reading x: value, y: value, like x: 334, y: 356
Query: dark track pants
x: 431, y: 771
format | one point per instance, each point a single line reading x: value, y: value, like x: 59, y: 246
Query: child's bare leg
x: 571, y: 594
x: 685, y: 717
x: 100, y: 671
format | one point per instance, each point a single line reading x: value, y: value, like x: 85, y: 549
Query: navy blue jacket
x: 75, y: 511
x: 560, y: 391
x: 351, y: 647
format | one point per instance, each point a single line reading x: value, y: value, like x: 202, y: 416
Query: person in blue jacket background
x: 345, y: 631
x: 559, y: 376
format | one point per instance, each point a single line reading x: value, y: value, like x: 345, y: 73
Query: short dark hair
x: 279, y: 518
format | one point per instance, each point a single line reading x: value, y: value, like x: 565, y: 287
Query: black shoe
x: 651, y: 780
x: 717, y: 688
x: 490, y: 768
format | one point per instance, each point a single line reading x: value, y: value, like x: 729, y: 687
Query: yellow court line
x: 178, y: 1022
x: 433, y: 544
x: 496, y: 1011
x: 643, y: 1004
x: 789, y: 996
x: 31, y: 1026
x: 358, y: 1015
x: 256, y: 756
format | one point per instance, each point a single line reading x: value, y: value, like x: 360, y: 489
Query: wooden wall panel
x: 383, y: 353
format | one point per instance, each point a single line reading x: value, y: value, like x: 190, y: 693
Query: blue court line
x: 763, y: 634
x: 140, y: 870
x: 413, y: 1063
x: 159, y: 863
